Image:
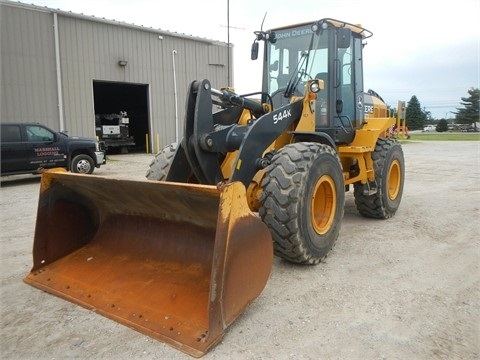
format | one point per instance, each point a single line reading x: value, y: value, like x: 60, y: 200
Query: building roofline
x: 46, y: 9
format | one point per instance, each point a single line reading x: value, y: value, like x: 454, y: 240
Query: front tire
x: 389, y: 168
x: 302, y: 201
x: 160, y: 165
x: 82, y: 164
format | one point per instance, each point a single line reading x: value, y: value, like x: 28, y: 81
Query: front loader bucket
x: 177, y: 262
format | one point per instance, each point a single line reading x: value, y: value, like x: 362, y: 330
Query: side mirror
x: 254, y: 54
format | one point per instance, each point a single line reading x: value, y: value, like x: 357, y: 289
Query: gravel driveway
x: 403, y: 288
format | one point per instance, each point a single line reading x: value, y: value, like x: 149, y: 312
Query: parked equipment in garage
x: 113, y: 130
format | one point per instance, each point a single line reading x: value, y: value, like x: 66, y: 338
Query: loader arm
x: 206, y: 142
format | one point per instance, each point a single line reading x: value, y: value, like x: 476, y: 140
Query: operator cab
x: 328, y: 50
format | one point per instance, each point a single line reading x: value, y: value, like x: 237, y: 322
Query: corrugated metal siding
x: 89, y: 51
x: 28, y: 79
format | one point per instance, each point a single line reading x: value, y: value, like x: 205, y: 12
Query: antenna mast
x: 228, y: 43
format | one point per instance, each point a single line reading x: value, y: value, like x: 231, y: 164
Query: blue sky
x: 430, y: 49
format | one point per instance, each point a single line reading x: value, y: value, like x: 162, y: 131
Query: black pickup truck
x: 27, y: 148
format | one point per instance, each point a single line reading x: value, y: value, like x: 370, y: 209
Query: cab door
x: 45, y: 149
x: 14, y: 154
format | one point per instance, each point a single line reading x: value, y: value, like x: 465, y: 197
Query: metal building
x: 60, y: 69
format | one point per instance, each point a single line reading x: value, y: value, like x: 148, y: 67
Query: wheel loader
x: 180, y: 255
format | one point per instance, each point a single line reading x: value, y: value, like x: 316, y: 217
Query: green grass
x: 446, y: 136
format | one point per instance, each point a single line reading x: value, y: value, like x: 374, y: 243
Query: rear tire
x: 389, y: 167
x: 160, y: 165
x: 302, y: 201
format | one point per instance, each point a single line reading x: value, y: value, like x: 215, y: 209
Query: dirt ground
x: 403, y: 288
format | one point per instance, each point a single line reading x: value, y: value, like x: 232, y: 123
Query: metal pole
x: 59, y: 73
x: 228, y: 43
x: 174, y: 52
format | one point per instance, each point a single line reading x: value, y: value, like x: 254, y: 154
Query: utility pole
x: 228, y: 41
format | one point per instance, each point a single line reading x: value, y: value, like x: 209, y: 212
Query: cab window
x: 11, y: 133
x: 38, y: 133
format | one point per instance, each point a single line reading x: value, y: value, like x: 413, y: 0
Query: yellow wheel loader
x: 179, y: 258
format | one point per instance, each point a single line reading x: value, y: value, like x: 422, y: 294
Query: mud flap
x: 177, y: 262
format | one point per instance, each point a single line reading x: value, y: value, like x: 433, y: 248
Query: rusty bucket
x: 177, y: 262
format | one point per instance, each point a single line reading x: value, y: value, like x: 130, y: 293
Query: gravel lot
x: 403, y: 288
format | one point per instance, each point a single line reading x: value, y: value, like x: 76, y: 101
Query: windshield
x: 296, y: 56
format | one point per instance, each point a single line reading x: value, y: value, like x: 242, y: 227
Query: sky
x: 427, y: 49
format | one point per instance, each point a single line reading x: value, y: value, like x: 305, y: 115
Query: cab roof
x: 358, y: 29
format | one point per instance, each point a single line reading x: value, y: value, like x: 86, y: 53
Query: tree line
x: 468, y: 114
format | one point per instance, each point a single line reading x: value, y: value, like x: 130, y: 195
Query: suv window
x: 11, y: 133
x: 38, y: 133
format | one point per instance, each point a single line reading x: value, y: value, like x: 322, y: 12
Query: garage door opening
x: 121, y: 115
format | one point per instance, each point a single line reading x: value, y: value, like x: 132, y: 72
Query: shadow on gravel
x: 15, y: 180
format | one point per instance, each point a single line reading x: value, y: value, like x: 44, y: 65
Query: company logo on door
x: 47, y: 151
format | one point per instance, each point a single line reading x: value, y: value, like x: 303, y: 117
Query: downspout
x: 174, y: 52
x: 59, y: 73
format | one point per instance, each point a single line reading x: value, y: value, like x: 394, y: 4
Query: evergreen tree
x: 416, y: 118
x: 469, y: 114
x: 442, y: 126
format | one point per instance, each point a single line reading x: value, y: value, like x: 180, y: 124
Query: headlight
x: 314, y: 86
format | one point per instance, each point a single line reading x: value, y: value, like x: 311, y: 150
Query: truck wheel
x: 389, y: 167
x: 160, y: 165
x: 82, y: 164
x: 302, y: 201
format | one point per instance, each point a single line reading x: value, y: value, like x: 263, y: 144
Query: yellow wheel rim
x: 324, y: 204
x: 393, y: 180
